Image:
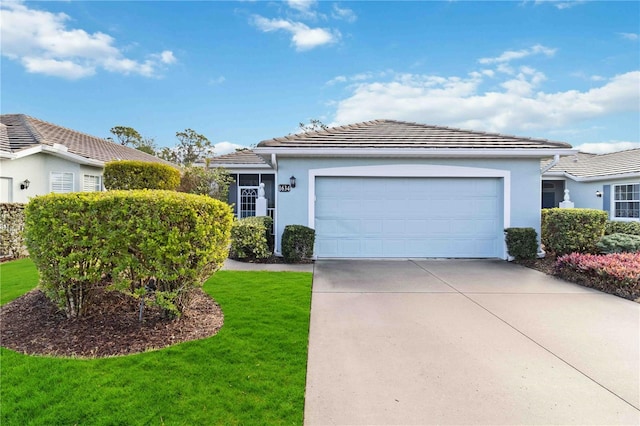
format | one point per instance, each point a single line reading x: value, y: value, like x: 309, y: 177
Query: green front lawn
x: 252, y: 372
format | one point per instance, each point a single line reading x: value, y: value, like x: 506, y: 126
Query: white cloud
x: 167, y: 57
x: 629, y: 36
x: 561, y: 4
x: 302, y: 36
x: 225, y: 147
x: 511, y: 55
x: 606, y: 147
x: 43, y: 44
x: 216, y: 80
x: 460, y: 102
x: 343, y: 13
x: 301, y: 5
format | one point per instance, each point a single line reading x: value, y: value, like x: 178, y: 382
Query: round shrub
x: 251, y: 238
x: 297, y: 243
x: 132, y: 238
x: 140, y: 175
x: 619, y: 243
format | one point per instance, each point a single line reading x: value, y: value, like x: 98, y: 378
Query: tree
x: 192, y: 147
x: 314, y: 125
x: 204, y: 181
x: 128, y: 136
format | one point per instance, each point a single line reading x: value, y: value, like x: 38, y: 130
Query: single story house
x: 37, y: 157
x: 610, y: 182
x: 386, y: 188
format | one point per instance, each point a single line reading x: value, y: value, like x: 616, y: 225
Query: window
x: 92, y: 183
x: 61, y: 182
x: 627, y: 201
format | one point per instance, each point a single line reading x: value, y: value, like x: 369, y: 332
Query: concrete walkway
x: 467, y: 342
x: 234, y: 265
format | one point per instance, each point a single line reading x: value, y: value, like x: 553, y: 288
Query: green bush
x: 61, y: 241
x: 140, y: 175
x: 204, y: 181
x: 619, y: 243
x: 127, y: 239
x: 251, y: 238
x: 619, y: 227
x: 572, y: 230
x: 11, y: 231
x: 522, y: 243
x: 297, y: 243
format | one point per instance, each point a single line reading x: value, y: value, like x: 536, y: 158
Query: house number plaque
x: 284, y: 188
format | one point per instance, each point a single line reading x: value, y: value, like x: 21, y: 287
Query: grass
x: 16, y: 278
x: 252, y: 372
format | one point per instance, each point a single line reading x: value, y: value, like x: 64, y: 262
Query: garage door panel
x: 408, y: 217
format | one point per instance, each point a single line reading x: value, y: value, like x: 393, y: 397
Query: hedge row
x: 618, y: 227
x: 11, y: 230
x: 616, y: 273
x: 136, y: 241
x: 140, y: 175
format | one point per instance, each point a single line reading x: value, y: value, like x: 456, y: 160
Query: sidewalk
x: 234, y: 265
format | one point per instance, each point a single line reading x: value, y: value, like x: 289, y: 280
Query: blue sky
x: 241, y: 72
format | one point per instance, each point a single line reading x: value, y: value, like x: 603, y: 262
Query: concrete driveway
x: 467, y: 342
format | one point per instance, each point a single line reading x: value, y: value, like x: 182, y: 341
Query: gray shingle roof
x: 592, y: 165
x: 402, y: 134
x: 20, y: 131
x: 245, y: 156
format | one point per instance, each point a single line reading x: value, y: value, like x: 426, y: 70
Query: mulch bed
x: 33, y: 325
x: 545, y: 264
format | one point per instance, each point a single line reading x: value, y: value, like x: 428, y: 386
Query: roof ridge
x: 35, y: 133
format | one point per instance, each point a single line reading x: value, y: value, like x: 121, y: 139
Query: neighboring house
x: 610, y: 182
x: 37, y: 157
x: 385, y: 188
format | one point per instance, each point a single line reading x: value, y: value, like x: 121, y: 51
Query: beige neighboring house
x: 37, y: 157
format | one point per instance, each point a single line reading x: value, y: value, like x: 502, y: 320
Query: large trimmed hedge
x: 134, y: 241
x: 572, y: 230
x: 129, y: 174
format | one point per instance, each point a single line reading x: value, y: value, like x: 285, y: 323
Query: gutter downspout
x: 556, y: 159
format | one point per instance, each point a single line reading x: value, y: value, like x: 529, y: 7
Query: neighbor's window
x: 627, y: 201
x: 92, y: 183
x: 61, y: 182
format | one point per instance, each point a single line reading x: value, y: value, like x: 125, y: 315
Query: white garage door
x: 408, y: 217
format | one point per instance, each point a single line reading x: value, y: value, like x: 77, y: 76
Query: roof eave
x: 58, y: 153
x: 602, y: 177
x: 415, y: 152
x: 240, y: 166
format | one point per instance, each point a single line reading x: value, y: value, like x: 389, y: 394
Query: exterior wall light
x: 25, y: 184
x: 599, y: 194
x: 292, y: 181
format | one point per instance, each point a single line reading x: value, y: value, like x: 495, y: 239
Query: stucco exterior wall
x: 37, y: 169
x: 292, y: 207
x: 583, y: 194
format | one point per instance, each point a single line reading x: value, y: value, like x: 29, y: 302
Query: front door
x: 247, y: 196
